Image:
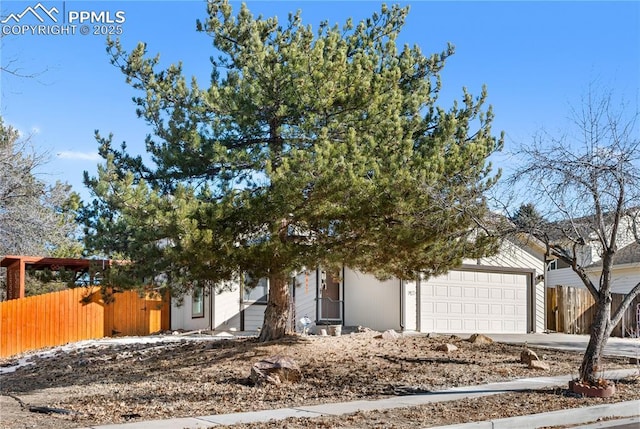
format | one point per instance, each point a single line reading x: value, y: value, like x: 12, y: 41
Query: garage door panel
x: 486, y: 302
x: 470, y: 325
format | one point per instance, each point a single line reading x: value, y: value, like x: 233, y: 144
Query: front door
x: 330, y: 302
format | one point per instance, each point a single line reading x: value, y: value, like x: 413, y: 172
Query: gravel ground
x: 115, y: 383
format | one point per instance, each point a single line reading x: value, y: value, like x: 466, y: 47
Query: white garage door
x: 470, y: 302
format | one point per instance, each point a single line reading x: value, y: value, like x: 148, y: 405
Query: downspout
x: 341, y: 294
x: 402, y: 305
x: 418, y: 308
x: 293, y: 304
x: 170, y: 328
x: 241, y: 300
x: 317, y: 294
x: 211, y: 303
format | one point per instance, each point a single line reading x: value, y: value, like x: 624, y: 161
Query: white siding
x: 254, y: 316
x: 370, y: 302
x: 539, y: 307
x: 181, y: 315
x: 514, y: 256
x: 564, y: 277
x: 410, y: 305
x: 305, y: 296
x: 623, y: 278
x: 227, y: 309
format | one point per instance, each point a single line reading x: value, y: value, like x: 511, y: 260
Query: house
x: 626, y: 261
x: 500, y: 294
x: 625, y: 273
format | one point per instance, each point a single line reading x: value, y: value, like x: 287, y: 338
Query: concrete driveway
x: 629, y: 347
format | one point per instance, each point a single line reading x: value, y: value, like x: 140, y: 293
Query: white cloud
x: 70, y: 154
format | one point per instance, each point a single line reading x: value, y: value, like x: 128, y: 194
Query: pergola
x: 17, y: 266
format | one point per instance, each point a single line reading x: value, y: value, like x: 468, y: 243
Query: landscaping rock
x: 391, y: 335
x: 480, y: 339
x: 527, y: 356
x: 538, y: 364
x: 275, y: 370
x: 446, y: 348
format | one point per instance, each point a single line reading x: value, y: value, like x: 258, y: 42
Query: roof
x: 629, y: 254
x: 39, y: 262
x: 581, y: 226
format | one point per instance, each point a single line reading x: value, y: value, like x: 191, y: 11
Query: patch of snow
x: 28, y: 358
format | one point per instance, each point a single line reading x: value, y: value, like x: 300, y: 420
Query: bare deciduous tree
x: 589, y: 184
x: 35, y: 219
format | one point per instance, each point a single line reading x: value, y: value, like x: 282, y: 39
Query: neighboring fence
x: 571, y: 310
x: 77, y: 314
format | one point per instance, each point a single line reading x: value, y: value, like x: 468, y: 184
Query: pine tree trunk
x: 276, y: 315
x: 600, y: 331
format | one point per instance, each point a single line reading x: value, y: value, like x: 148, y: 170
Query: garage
x: 474, y: 300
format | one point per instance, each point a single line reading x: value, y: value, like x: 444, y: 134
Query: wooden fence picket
x: 571, y: 310
x: 77, y: 314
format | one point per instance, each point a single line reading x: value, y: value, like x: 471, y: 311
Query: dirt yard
x: 108, y: 383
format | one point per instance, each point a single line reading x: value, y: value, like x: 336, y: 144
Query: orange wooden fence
x: 571, y: 310
x: 77, y: 314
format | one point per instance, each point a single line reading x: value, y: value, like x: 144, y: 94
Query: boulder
x: 446, y: 348
x: 275, y: 370
x: 538, y: 364
x: 480, y: 339
x: 527, y: 356
x: 390, y: 334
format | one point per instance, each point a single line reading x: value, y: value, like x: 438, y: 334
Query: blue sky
x: 536, y: 59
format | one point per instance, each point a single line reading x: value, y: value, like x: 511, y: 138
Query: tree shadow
x: 130, y: 363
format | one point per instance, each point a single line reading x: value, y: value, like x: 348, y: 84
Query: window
x: 255, y: 292
x: 556, y: 264
x: 197, y: 302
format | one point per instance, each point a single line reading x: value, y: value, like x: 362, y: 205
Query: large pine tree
x: 307, y: 148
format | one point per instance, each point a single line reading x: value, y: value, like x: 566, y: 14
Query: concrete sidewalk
x: 340, y: 408
x: 629, y: 411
